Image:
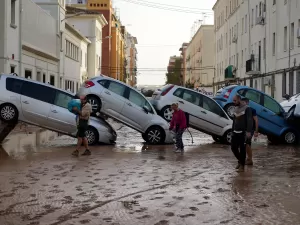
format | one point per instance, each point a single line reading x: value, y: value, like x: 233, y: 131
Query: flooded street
x: 134, y: 183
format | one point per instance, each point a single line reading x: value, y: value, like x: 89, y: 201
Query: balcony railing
x: 253, y: 66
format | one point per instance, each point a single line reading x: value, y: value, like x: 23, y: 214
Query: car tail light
x: 227, y: 94
x: 88, y: 84
x: 166, y: 91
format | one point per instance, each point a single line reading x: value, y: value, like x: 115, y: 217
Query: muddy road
x: 132, y: 183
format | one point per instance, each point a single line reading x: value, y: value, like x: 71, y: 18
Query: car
x: 271, y: 115
x: 126, y: 105
x: 204, y: 113
x: 45, y: 106
x: 291, y: 106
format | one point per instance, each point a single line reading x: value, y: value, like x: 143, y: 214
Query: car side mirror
x: 145, y: 109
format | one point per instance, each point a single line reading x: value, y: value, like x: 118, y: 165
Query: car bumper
x: 108, y: 137
x: 157, y: 104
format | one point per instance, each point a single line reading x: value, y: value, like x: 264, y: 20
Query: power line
x: 167, y: 8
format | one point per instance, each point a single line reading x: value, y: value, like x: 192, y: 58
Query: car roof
x: 101, y: 77
x: 36, y: 82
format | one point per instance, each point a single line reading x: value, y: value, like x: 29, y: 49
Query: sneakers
x: 86, y: 152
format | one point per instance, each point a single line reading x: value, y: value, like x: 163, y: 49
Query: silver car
x: 291, y: 106
x: 205, y: 114
x: 45, y: 106
x: 128, y: 106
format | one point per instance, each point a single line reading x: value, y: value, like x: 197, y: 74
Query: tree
x: 174, y: 75
x: 189, y: 84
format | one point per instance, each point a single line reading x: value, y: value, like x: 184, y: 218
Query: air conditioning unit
x: 234, y: 39
x: 260, y: 20
x: 298, y: 33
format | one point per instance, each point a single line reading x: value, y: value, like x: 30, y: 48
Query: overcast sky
x: 160, y: 32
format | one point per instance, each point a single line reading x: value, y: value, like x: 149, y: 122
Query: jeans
x: 238, y: 146
x: 179, y: 143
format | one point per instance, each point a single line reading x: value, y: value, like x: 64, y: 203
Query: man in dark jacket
x: 241, y: 131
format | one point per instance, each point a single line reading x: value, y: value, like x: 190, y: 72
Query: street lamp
x: 76, y: 14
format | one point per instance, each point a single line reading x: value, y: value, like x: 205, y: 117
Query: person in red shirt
x: 178, y: 124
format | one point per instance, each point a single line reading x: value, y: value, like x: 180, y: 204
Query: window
x: 116, y: 88
x: 291, y: 83
x: 52, y: 80
x: 13, y: 12
x: 44, y: 78
x: 264, y: 50
x: 12, y: 68
x: 28, y: 74
x: 242, y: 25
x: 285, y: 39
x: 246, y: 23
x: 252, y: 20
x: 271, y: 104
x: 178, y: 92
x: 38, y: 76
x: 38, y: 92
x: 72, y: 51
x: 292, y: 35
x: 103, y: 83
x: 85, y: 59
x: 211, y: 106
x: 242, y: 63
x: 284, y: 84
x: 274, y: 2
x: 253, y: 95
x: 274, y: 44
x: 14, y: 85
x: 191, y: 97
x: 62, y: 99
x: 138, y: 100
x: 297, y: 33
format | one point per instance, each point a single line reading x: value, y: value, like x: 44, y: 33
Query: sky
x: 160, y: 32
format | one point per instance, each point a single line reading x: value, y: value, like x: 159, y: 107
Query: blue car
x: 271, y: 116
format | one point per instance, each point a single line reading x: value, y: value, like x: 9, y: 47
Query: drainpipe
x: 289, y: 35
x: 20, y: 37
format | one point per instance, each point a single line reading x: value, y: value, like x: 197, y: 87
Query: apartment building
x: 131, y: 59
x: 258, y: 38
x: 200, y: 57
x: 183, y: 63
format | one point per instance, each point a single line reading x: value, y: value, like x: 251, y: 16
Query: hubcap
x: 94, y: 104
x: 230, y: 111
x: 290, y: 137
x: 8, y: 112
x: 229, y: 136
x: 90, y: 136
x: 154, y: 136
x: 168, y: 114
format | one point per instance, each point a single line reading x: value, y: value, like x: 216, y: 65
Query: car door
x: 133, y: 111
x: 214, y: 115
x: 36, y: 102
x: 189, y: 102
x: 60, y: 118
x: 113, y: 98
x: 272, y: 116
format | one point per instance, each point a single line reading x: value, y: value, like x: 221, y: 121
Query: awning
x: 230, y: 72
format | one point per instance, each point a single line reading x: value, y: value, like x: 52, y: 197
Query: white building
x: 28, y: 41
x: 131, y: 59
x: 254, y: 38
x: 200, y: 57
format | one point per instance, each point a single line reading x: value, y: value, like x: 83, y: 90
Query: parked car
x: 204, y: 113
x: 271, y: 115
x: 45, y: 106
x: 128, y: 106
x: 291, y: 106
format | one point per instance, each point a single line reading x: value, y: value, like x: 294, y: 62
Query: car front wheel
x: 290, y: 137
x: 92, y: 136
x: 227, y: 137
x: 167, y: 113
x: 8, y: 113
x: 229, y: 109
x: 155, y: 135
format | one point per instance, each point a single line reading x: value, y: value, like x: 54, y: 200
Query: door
x: 272, y: 116
x: 214, y: 115
x: 189, y: 102
x: 36, y: 101
x: 133, y: 111
x: 113, y: 98
x: 60, y: 118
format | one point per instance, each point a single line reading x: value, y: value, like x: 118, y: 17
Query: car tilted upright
x: 46, y: 106
x: 204, y: 113
x: 126, y: 105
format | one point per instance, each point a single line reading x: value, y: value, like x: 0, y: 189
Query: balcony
x: 253, y: 66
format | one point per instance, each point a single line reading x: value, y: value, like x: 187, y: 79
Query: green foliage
x: 189, y: 84
x: 173, y: 77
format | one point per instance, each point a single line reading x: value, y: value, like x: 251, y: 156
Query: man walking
x: 242, y: 128
x: 249, y: 160
x: 83, y: 123
x: 178, y: 123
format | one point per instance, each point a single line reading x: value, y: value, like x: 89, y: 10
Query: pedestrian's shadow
x: 242, y: 183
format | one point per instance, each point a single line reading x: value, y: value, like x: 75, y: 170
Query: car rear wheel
x: 227, y: 137
x: 8, y: 113
x: 155, y: 135
x: 229, y: 109
x: 95, y: 103
x: 92, y: 136
x: 290, y: 137
x: 167, y: 113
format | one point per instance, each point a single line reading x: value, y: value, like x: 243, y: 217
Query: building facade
x: 183, y: 62
x: 257, y: 44
x: 200, y: 57
x: 131, y: 59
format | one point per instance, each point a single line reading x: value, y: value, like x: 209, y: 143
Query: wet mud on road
x: 133, y: 183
